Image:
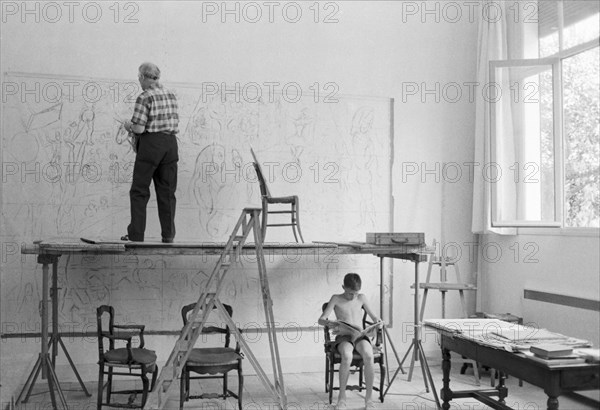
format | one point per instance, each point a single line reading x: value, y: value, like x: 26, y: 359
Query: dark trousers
x: 156, y: 161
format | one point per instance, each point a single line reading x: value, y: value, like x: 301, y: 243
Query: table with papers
x: 504, y: 346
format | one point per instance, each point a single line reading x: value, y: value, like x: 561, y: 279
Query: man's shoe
x: 128, y: 239
x: 167, y: 240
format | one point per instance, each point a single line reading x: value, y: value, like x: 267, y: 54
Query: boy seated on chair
x: 348, y: 308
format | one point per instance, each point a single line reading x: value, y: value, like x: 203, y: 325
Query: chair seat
x: 282, y: 199
x: 213, y: 356
x: 140, y: 356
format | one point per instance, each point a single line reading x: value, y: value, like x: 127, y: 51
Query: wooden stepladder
x: 209, y: 298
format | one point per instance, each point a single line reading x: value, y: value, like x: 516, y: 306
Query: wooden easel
x: 444, y: 286
x: 209, y: 298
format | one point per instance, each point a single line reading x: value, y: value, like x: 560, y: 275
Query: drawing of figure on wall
x: 64, y: 141
x: 155, y: 119
x: 303, y: 128
x: 207, y: 121
x: 209, y: 190
x: 364, y: 162
x: 199, y: 127
x: 69, y: 172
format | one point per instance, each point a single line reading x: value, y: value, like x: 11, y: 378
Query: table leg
x: 54, y: 301
x: 44, y: 316
x: 502, y: 389
x: 45, y: 356
x: 446, y: 393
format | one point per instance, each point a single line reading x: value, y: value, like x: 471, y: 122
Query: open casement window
x: 544, y: 125
x: 523, y: 166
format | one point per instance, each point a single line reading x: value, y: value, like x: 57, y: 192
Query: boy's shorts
x: 347, y: 338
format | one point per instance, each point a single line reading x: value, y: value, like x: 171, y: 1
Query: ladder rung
x: 288, y: 224
x: 281, y: 212
x: 184, y: 349
x: 238, y: 238
x: 166, y: 382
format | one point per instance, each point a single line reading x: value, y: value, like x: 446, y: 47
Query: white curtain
x: 502, y: 38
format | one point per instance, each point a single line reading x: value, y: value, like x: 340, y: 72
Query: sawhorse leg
x: 386, y: 336
x: 44, y: 362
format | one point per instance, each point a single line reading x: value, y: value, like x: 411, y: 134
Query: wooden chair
x: 333, y: 358
x: 122, y: 361
x: 212, y: 363
x: 267, y: 200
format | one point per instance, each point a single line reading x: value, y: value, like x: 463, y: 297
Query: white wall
x: 375, y: 49
x: 562, y: 264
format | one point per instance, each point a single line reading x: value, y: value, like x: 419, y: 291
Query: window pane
x: 580, y: 21
x: 548, y: 27
x: 523, y: 146
x: 583, y: 30
x: 582, y: 143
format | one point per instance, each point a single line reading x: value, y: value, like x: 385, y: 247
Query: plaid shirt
x: 156, y: 110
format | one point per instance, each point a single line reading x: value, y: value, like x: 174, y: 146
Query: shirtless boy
x: 348, y: 308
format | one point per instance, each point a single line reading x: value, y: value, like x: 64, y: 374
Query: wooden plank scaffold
x: 50, y: 250
x: 209, y: 298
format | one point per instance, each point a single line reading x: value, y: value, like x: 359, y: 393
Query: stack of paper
x: 551, y: 350
x: 526, y: 334
x: 590, y: 355
x: 556, y: 361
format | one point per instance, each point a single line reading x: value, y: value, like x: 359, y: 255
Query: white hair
x: 150, y: 71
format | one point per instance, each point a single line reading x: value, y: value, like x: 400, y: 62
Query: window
x: 544, y: 116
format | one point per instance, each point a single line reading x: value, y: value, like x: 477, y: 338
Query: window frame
x: 555, y: 61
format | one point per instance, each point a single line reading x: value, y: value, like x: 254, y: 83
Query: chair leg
x: 381, y: 380
x: 240, y: 387
x: 326, y: 374
x: 293, y: 221
x: 185, y: 382
x: 145, y: 386
x: 187, y: 385
x: 331, y: 374
x: 182, y: 389
x: 360, y: 378
x: 154, y: 377
x: 297, y: 221
x: 109, y: 385
x: 100, y: 386
x: 265, y: 215
x: 225, y: 386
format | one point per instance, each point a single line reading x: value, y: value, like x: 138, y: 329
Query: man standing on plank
x: 155, y: 123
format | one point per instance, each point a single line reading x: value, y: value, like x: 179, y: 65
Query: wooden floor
x: 305, y: 391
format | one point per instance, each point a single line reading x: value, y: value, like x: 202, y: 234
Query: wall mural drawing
x: 67, y: 165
